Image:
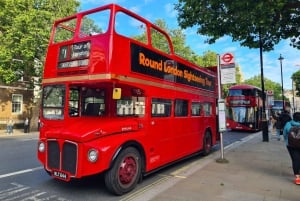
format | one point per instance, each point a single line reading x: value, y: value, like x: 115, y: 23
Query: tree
x: 209, y: 58
x: 24, y: 34
x: 269, y: 85
x: 244, y: 21
x: 238, y: 74
x: 296, y: 80
x: 178, y: 40
x: 256, y: 24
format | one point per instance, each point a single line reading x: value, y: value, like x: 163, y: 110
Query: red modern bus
x: 277, y: 106
x: 117, y: 100
x: 244, y: 107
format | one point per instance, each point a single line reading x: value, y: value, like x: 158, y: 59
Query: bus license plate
x: 61, y: 175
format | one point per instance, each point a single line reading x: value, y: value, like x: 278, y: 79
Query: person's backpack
x: 294, y: 137
x: 283, y: 119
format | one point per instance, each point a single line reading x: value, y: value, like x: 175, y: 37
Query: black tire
x: 123, y: 176
x: 207, y: 143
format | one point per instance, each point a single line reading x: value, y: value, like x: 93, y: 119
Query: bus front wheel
x: 123, y: 176
x: 207, y: 142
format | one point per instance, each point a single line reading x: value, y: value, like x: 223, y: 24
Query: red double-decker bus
x: 117, y: 100
x: 244, y: 107
x: 277, y: 106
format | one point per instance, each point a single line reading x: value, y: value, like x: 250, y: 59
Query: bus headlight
x: 93, y: 155
x: 41, y: 147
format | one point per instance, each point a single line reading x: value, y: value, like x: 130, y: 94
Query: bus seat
x: 92, y: 109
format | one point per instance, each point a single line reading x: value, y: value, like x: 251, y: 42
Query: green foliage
x: 180, y: 48
x: 269, y: 85
x: 296, y: 80
x: 178, y: 39
x: 208, y: 59
x: 238, y: 74
x: 24, y: 34
x: 244, y: 21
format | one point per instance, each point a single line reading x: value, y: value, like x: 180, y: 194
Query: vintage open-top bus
x: 117, y: 100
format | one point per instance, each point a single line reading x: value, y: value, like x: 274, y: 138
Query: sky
x: 247, y: 59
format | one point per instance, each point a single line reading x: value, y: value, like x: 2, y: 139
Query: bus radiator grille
x: 68, y: 154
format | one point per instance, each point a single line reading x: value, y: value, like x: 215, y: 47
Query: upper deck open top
x: 110, y: 41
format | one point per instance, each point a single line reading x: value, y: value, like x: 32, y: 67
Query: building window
x: 17, y: 102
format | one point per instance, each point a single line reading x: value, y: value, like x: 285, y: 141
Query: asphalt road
x: 23, y: 178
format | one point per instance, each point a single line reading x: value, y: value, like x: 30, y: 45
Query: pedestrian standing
x: 10, y: 125
x: 26, y: 125
x: 277, y: 125
x: 293, y: 151
x: 281, y: 119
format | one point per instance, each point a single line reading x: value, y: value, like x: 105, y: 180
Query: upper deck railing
x: 111, y: 40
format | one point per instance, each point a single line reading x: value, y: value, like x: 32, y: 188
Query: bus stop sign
x: 227, y: 58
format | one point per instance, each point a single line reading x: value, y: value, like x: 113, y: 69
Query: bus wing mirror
x: 117, y: 93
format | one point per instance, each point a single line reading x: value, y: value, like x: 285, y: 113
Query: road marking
x: 19, y: 192
x: 20, y: 172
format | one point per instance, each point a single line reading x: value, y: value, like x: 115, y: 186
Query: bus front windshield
x: 53, y: 101
x: 242, y: 114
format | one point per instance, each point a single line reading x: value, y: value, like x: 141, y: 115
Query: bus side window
x: 181, y: 108
x: 93, y: 103
x: 196, y: 109
x: 129, y: 106
x: 161, y: 107
x: 74, y: 102
x: 207, y: 109
x: 92, y: 109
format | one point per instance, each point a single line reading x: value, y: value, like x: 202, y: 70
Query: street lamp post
x: 293, y: 90
x: 264, y: 121
x: 282, y: 95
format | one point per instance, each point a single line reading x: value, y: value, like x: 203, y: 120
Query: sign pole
x: 221, y: 114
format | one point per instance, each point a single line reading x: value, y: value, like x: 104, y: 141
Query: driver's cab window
x: 74, y: 102
x: 93, y: 103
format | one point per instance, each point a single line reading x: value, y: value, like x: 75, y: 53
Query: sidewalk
x: 257, y: 171
x: 16, y: 132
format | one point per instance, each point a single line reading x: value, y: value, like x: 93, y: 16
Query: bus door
x: 187, y: 128
x: 160, y: 131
